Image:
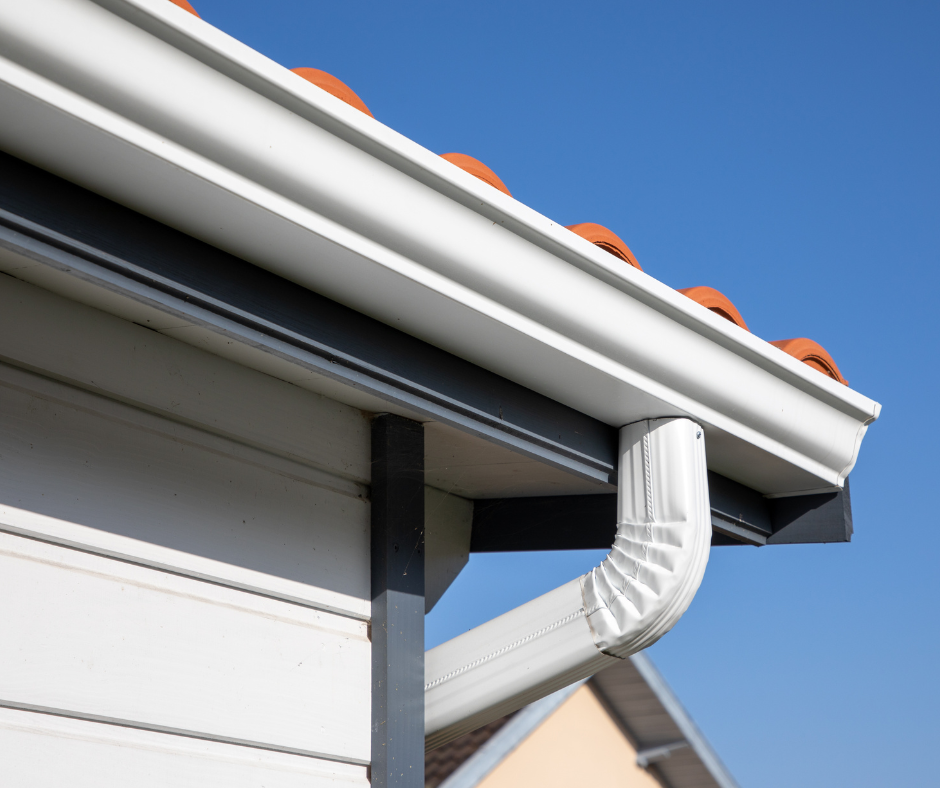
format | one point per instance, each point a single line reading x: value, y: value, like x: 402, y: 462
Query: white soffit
x: 156, y: 109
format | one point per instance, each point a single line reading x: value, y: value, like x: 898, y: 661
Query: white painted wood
x: 48, y: 278
x: 196, y: 568
x: 42, y: 329
x: 96, y: 636
x: 224, y: 513
x: 243, y: 353
x: 160, y: 319
x: 55, y: 531
x: 43, y: 751
x: 475, y: 468
x: 106, y: 354
x: 448, y: 521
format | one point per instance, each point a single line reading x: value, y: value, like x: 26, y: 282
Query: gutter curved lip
x: 790, y: 405
x: 272, y: 80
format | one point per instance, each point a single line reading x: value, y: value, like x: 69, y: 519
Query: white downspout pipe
x: 624, y: 605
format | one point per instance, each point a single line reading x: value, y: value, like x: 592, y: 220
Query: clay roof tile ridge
x: 334, y: 87
x: 813, y: 355
x: 717, y: 302
x: 607, y: 240
x: 477, y: 169
x: 185, y: 6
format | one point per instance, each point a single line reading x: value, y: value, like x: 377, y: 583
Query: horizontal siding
x: 83, y: 754
x: 103, y: 353
x: 239, y: 513
x: 181, y: 605
x: 101, y: 638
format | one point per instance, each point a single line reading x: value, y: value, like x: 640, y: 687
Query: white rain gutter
x: 156, y: 109
x: 624, y: 605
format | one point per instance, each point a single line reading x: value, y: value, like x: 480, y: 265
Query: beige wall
x: 578, y: 745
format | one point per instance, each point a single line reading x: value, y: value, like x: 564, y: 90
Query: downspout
x: 624, y: 605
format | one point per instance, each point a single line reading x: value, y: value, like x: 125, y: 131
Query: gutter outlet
x: 632, y: 599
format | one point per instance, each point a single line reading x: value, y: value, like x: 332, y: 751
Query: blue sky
x: 786, y: 154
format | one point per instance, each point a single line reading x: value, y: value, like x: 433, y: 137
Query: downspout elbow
x: 663, y: 538
x: 627, y: 603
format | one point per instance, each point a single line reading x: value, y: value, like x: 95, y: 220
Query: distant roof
x: 668, y: 743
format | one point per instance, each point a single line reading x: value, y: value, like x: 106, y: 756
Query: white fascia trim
x: 624, y: 605
x: 155, y: 109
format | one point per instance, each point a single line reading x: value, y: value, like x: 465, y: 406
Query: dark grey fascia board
x: 85, y: 235
x: 739, y: 515
x: 94, y: 239
x: 825, y: 517
x: 589, y: 522
x: 555, y: 522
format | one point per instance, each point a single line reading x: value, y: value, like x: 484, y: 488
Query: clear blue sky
x: 787, y: 154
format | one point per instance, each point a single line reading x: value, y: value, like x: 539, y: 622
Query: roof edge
x: 699, y: 366
x: 270, y: 79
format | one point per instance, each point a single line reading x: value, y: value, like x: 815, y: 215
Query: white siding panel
x: 224, y: 512
x: 95, y: 636
x: 42, y: 751
x: 106, y: 354
x: 178, y: 585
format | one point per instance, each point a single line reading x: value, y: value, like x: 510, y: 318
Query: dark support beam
x: 557, y: 522
x: 826, y: 517
x: 70, y: 229
x: 397, y: 603
x: 740, y: 515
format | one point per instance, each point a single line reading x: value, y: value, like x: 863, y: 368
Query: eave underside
x: 487, y: 438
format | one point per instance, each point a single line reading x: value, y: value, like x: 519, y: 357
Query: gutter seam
x: 505, y: 649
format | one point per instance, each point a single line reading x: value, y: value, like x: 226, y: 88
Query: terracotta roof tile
x: 806, y: 350
x: 333, y: 86
x: 812, y: 354
x: 717, y: 302
x: 606, y: 239
x: 185, y: 6
x: 476, y: 168
x: 439, y: 764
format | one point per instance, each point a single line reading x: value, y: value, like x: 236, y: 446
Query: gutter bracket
x: 651, y: 755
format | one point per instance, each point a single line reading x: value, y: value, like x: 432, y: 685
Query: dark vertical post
x: 397, y: 603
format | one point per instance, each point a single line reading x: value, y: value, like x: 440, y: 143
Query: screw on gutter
x: 698, y: 433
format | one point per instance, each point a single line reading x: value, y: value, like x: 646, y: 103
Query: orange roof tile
x: 806, y: 350
x: 476, y: 168
x: 185, y: 6
x: 607, y: 240
x: 440, y: 763
x: 812, y: 354
x: 717, y: 302
x: 333, y: 86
